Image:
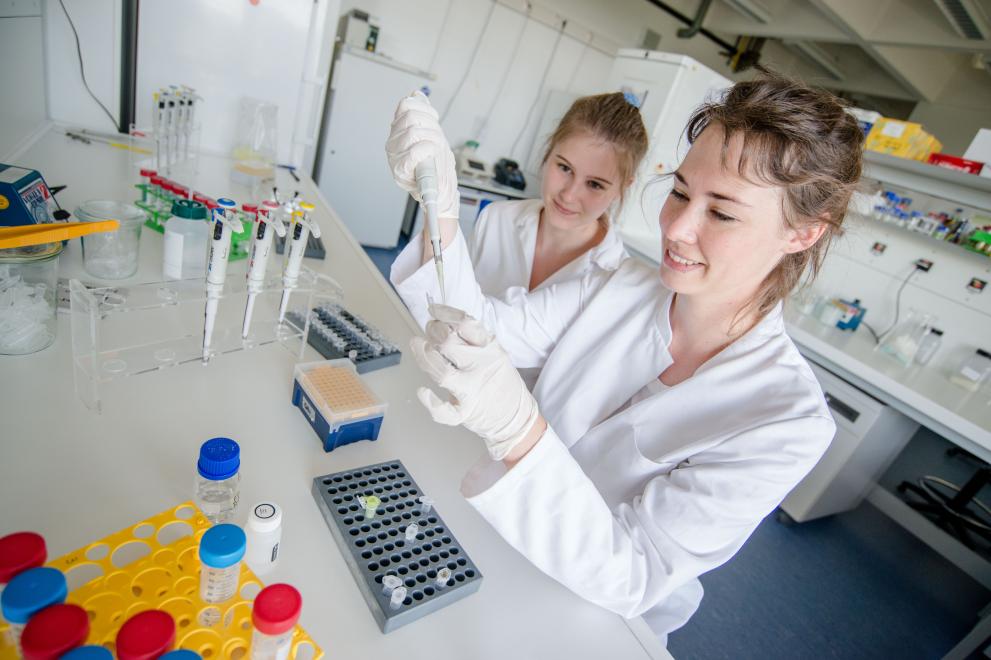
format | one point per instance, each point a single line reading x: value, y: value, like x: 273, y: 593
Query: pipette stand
x: 125, y: 331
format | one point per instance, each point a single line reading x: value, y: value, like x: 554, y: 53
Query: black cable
x: 471, y: 62
x: 540, y: 88
x: 898, y: 300
x: 82, y: 72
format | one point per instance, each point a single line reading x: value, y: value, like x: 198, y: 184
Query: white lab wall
x: 22, y: 69
x: 98, y: 25
x: 852, y: 271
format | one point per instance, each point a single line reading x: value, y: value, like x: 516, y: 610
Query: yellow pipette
x: 24, y: 235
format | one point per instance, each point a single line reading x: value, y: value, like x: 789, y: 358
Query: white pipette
x: 300, y: 228
x: 266, y: 221
x: 224, y: 221
x: 426, y: 182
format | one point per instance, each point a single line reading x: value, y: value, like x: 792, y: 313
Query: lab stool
x: 955, y: 508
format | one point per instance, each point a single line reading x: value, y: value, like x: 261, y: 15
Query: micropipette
x: 426, y: 182
x: 261, y: 248
x: 301, y: 227
x: 224, y: 221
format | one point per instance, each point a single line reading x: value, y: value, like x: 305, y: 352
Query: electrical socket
x: 923, y: 264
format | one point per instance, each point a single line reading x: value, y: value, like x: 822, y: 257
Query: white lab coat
x: 504, y: 240
x: 628, y: 505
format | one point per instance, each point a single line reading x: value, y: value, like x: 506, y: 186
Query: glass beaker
x: 111, y: 255
x: 28, y: 284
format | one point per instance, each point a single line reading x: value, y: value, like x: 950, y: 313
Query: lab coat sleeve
x: 526, y: 325
x: 684, y: 522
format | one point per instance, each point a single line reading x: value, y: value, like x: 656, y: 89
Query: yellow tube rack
x: 155, y: 565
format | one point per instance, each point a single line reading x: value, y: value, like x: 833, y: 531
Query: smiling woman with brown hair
x: 673, y: 412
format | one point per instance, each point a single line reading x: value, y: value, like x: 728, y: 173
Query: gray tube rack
x: 335, y: 332
x: 377, y: 547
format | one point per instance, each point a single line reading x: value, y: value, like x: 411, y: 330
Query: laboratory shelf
x: 964, y: 189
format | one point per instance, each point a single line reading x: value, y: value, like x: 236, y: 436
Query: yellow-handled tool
x: 24, y: 235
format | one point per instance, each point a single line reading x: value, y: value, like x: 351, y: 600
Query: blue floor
x: 855, y: 585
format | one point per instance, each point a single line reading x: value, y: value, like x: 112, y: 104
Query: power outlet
x: 923, y: 264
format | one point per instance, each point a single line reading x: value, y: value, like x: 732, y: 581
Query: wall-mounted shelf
x: 964, y: 189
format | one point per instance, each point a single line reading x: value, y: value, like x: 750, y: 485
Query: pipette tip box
x: 376, y: 547
x: 337, y: 404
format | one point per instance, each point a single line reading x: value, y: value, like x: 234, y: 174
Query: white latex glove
x: 415, y: 136
x: 490, y: 398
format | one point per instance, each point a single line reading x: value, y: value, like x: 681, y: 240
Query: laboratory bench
x: 76, y: 476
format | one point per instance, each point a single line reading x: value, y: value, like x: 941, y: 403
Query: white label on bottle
x: 970, y: 373
x: 893, y: 129
x: 172, y: 255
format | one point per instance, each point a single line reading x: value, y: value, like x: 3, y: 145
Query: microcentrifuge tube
x: 397, y: 598
x: 412, y: 530
x: 353, y: 355
x: 443, y: 576
x: 389, y: 583
x: 371, y: 504
x: 426, y: 503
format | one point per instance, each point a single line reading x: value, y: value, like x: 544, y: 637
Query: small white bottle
x: 264, y: 532
x: 221, y: 550
x: 928, y: 346
x: 974, y: 371
x: 274, y: 614
x: 187, y: 235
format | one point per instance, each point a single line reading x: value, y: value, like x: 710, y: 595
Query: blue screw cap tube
x: 89, y: 653
x: 222, y: 546
x: 220, y: 458
x: 32, y: 591
x: 180, y: 654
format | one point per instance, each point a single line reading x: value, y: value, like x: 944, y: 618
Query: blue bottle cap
x: 222, y: 546
x: 89, y: 653
x: 32, y: 591
x: 181, y: 654
x: 220, y: 459
x: 227, y: 203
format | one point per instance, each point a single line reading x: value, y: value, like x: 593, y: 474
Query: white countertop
x: 76, y: 476
x: 923, y: 393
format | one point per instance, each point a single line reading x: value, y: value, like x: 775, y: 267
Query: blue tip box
x: 336, y: 402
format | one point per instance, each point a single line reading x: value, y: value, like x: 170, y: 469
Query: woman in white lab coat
x: 673, y: 413
x: 590, y: 161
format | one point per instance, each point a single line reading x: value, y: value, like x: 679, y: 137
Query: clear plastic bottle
x: 928, y: 346
x: 218, y: 481
x: 184, y: 246
x: 221, y: 550
x: 147, y: 634
x: 274, y: 615
x: 26, y: 595
x: 54, y: 631
x: 264, y: 532
x: 974, y: 371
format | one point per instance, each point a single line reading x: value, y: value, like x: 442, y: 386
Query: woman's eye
x: 680, y: 196
x: 595, y: 185
x: 564, y: 168
x: 722, y: 217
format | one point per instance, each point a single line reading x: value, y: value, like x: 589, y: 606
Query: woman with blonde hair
x: 673, y: 411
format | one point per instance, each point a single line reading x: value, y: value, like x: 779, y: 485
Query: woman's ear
x: 802, y: 238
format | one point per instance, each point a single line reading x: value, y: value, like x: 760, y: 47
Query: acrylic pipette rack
x: 154, y: 564
x: 126, y: 331
x: 374, y: 548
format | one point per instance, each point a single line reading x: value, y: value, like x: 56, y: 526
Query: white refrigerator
x: 352, y: 172
x: 668, y: 87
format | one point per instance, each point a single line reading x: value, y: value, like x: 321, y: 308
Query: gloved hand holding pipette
x: 422, y: 163
x: 224, y: 221
x: 268, y: 222
x: 490, y: 397
x: 300, y: 229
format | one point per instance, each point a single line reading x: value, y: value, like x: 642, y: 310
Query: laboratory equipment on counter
x: 426, y: 182
x: 27, y: 594
x: 367, y: 556
x: 218, y: 484
x: 54, y: 631
x: 973, y: 371
x: 264, y: 534
x: 224, y: 222
x: 928, y: 346
x: 335, y: 333
x: 19, y: 552
x: 853, y: 314
x: 468, y: 162
x: 25, y: 198
x: 28, y: 284
x: 267, y: 224
x: 507, y: 172
x: 111, y: 255
x: 371, y: 503
x: 147, y: 634
x: 221, y: 550
x: 903, y: 341
x: 274, y: 615
x: 301, y: 227
x: 184, y: 245
x: 337, y: 403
